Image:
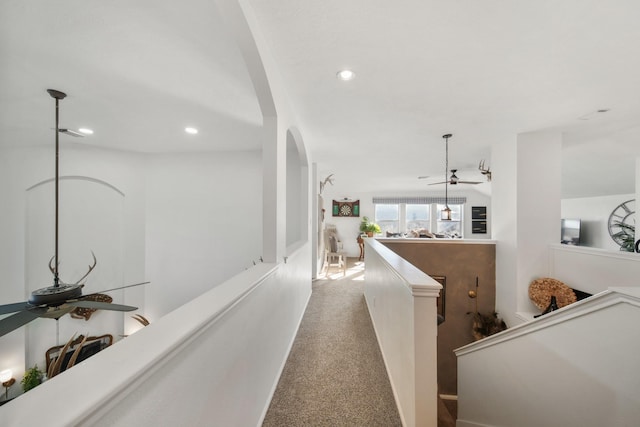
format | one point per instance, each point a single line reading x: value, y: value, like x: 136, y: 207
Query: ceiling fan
x: 454, y: 180
x: 61, y: 298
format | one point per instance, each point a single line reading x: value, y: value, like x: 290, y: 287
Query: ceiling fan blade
x: 71, y: 132
x: 116, y: 289
x: 98, y: 305
x: 436, y: 183
x: 17, y: 320
x: 469, y: 182
x: 12, y: 308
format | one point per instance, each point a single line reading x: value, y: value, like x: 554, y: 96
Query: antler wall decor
x: 327, y: 180
x: 484, y: 171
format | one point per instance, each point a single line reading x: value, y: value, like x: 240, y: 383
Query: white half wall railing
x: 586, y: 269
x: 402, y: 305
x: 214, y: 361
x: 575, y: 367
x: 593, y: 270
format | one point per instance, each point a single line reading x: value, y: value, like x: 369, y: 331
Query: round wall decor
x: 346, y: 207
x: 622, y: 221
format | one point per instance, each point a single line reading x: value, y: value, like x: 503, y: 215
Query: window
x: 387, y: 217
x: 417, y: 216
x: 453, y: 227
x: 418, y: 213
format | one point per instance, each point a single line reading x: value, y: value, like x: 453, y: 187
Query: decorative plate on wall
x: 346, y: 208
x: 622, y: 223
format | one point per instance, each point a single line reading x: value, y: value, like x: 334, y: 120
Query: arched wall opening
x: 91, y: 221
x: 297, y: 211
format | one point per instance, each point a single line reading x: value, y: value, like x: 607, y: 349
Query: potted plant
x: 32, y: 378
x: 369, y: 227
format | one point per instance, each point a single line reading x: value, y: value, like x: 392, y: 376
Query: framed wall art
x: 479, y: 219
x: 346, y: 208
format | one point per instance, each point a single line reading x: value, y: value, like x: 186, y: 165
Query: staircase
x: 577, y: 366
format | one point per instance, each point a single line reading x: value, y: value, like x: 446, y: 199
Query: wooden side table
x: 361, y: 245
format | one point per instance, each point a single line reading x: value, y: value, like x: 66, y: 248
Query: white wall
x: 294, y: 193
x: 594, y: 214
x: 526, y: 215
x: 538, y: 207
x: 204, y: 223
x: 503, y: 218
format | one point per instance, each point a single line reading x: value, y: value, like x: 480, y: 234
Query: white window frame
x: 434, y: 216
x: 460, y: 221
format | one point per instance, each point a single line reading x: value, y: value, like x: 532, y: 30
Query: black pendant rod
x: 446, y: 170
x: 57, y: 95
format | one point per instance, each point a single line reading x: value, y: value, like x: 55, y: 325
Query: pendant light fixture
x: 445, y: 214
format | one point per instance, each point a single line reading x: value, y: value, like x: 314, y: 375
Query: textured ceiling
x: 135, y: 72
x: 482, y: 70
x: 139, y: 72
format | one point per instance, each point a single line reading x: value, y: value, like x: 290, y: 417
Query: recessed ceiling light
x: 345, y: 75
x: 592, y: 114
x: 191, y: 131
x: 86, y: 131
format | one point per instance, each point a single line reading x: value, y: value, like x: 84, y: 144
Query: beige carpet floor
x: 335, y: 375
